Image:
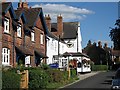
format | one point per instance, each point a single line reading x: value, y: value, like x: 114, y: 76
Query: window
x: 19, y: 30
x: 79, y: 65
x: 41, y: 39
x: 32, y: 36
x: 5, y: 56
x: 27, y: 61
x: 6, y: 25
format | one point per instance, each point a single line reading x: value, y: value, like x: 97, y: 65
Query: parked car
x: 116, y: 80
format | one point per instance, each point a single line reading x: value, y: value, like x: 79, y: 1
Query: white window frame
x: 32, y: 36
x: 41, y: 39
x: 27, y: 61
x: 5, y: 56
x: 7, y: 25
x: 19, y: 30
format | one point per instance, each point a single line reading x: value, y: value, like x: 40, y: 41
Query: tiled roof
x: 39, y: 53
x: 8, y: 6
x: 31, y: 15
x: 5, y: 5
x: 54, y: 27
x: 52, y: 35
x: 18, y: 13
x: 74, y: 54
x: 70, y: 30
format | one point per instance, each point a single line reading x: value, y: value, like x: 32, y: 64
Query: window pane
x: 32, y: 36
x: 41, y: 39
x: 5, y: 56
x: 19, y: 30
x: 6, y: 25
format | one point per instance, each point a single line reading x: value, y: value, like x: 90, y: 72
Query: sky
x: 95, y: 18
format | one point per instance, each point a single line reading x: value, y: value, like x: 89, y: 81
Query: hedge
x: 38, y: 78
x: 73, y: 73
x: 55, y: 75
x: 99, y: 67
x: 10, y: 79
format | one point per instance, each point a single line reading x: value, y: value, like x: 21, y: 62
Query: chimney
x: 20, y: 4
x: 100, y: 44
x: 105, y: 45
x: 59, y: 25
x: 48, y: 21
x: 25, y: 4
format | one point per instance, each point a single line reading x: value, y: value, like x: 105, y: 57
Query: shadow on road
x: 107, y: 82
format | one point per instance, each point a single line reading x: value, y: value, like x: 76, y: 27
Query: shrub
x: 10, y: 79
x: 73, y: 73
x: 99, y: 67
x: 37, y: 78
x: 45, y: 66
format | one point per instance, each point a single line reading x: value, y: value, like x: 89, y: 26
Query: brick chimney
x: 20, y: 4
x: 59, y: 25
x: 23, y: 4
x: 105, y: 45
x: 100, y: 44
x: 48, y: 21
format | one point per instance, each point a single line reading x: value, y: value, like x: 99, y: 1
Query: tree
x: 115, y: 35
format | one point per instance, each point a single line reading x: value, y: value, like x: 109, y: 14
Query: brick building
x: 23, y: 35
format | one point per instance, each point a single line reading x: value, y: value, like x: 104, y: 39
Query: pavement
x: 82, y: 77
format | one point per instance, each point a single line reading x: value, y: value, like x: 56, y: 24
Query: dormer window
x: 32, y: 36
x: 6, y: 25
x: 19, y: 30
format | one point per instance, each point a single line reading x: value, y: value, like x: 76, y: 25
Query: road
x: 100, y: 81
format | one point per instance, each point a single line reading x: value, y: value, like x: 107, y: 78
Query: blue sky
x: 95, y: 17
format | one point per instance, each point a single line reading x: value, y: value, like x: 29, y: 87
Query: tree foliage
x: 115, y: 35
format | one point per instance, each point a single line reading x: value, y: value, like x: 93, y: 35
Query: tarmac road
x: 101, y: 80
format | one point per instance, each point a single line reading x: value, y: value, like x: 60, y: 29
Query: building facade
x: 23, y: 35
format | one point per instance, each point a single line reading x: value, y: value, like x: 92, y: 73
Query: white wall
x: 52, y: 49
x: 74, y: 41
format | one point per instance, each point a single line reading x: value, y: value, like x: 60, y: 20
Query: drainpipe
x: 13, y: 46
x: 77, y: 41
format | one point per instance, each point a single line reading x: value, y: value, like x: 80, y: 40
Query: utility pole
x: 58, y: 48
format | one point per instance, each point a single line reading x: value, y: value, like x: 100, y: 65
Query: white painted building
x: 52, y: 48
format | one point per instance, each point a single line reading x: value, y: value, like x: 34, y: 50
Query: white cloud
x: 69, y: 13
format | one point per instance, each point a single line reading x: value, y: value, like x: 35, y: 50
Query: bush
x: 10, y: 79
x: 55, y: 75
x: 99, y: 67
x: 37, y: 78
x: 45, y: 66
x: 73, y: 73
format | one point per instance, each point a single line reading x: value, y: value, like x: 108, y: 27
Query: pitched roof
x: 20, y: 14
x: 5, y: 5
x: 69, y: 29
x: 31, y: 15
x: 52, y: 35
x: 54, y: 27
x: 74, y: 54
x: 8, y: 6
